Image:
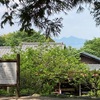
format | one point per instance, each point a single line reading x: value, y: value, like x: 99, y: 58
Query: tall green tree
x: 38, y: 12
x: 15, y: 38
x: 96, y: 12
x: 2, y: 41
x: 92, y: 46
x: 95, y: 82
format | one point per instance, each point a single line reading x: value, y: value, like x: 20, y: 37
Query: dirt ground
x: 42, y: 98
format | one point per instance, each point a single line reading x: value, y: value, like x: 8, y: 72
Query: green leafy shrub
x: 41, y: 69
x: 5, y: 93
x: 26, y: 91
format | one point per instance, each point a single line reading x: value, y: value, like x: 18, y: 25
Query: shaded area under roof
x: 90, y: 56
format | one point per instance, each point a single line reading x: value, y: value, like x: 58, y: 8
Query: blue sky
x: 80, y: 25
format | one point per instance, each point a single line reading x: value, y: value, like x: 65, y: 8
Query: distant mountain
x: 72, y: 41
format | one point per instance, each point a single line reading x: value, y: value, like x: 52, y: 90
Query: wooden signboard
x: 10, y: 73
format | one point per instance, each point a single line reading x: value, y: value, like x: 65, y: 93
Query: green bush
x: 42, y: 68
x: 4, y: 93
x: 98, y: 92
x: 26, y: 92
x: 47, y: 89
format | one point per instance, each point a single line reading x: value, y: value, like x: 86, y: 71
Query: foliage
x: 39, y: 12
x: 4, y: 92
x: 92, y: 46
x: 2, y: 41
x: 15, y: 38
x: 91, y: 80
x: 26, y: 92
x: 41, y: 69
x: 95, y: 80
x: 96, y: 12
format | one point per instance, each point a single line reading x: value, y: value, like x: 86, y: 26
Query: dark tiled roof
x: 7, y: 49
x: 35, y: 45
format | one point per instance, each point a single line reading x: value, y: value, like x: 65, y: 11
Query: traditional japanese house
x: 93, y: 63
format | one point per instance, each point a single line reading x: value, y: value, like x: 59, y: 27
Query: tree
x: 42, y: 69
x: 15, y: 38
x: 95, y: 81
x: 96, y: 12
x: 89, y: 81
x: 92, y: 46
x: 38, y: 12
x: 2, y: 41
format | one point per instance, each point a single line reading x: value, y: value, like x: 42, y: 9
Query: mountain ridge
x: 72, y: 41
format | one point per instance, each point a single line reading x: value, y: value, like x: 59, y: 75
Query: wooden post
x: 60, y: 88
x: 18, y: 76
x: 8, y: 89
x: 79, y: 89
